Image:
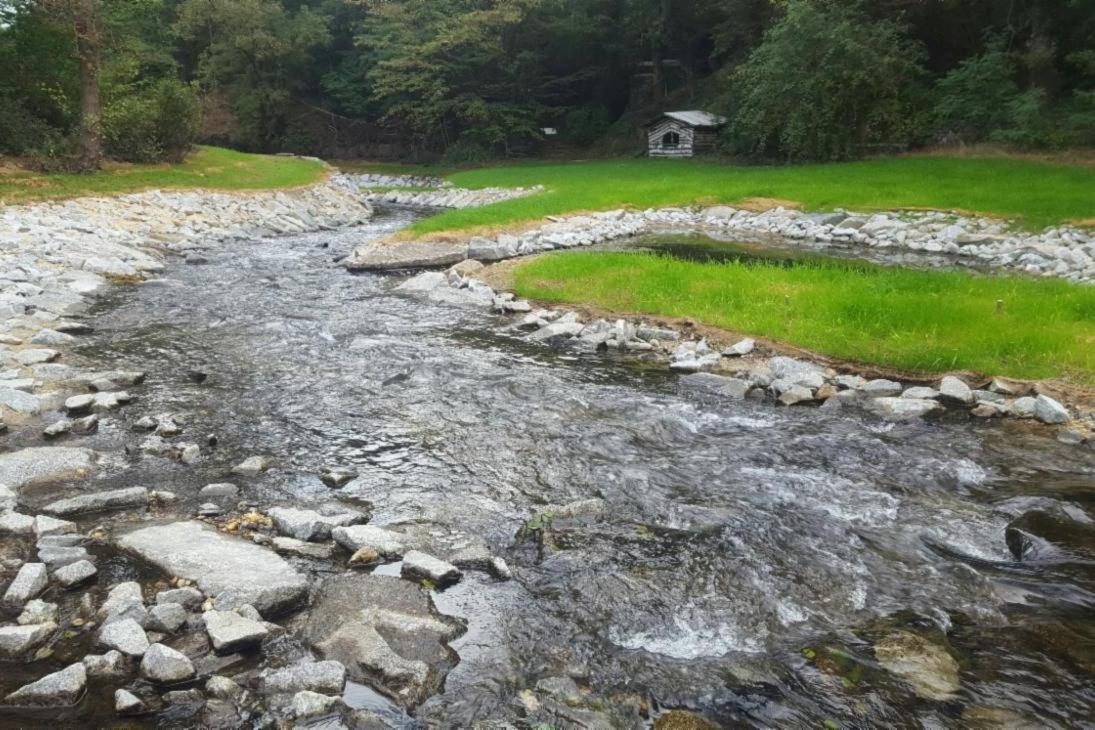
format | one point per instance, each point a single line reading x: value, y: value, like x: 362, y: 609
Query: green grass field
x: 915, y: 320
x: 1034, y: 193
x: 207, y: 167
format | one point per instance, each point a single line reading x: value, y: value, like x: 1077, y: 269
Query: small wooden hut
x: 683, y: 134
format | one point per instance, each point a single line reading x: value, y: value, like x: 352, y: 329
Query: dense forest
x: 468, y: 80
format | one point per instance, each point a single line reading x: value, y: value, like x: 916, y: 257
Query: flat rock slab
x: 60, y: 688
x: 384, y: 630
x: 231, y: 632
x: 236, y: 572
x: 16, y: 641
x: 114, y: 499
x: 44, y: 464
x: 416, y: 255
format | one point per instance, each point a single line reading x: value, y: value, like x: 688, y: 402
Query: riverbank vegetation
x: 470, y: 81
x: 1033, y: 192
x: 207, y: 167
x: 933, y: 321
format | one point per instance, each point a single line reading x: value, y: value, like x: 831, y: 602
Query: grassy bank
x: 1036, y: 193
x: 917, y: 320
x: 207, y: 167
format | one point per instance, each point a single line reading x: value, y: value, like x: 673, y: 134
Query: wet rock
x: 65, y: 687
x: 325, y: 676
x: 222, y: 490
x: 127, y: 703
x: 740, y: 349
x: 224, y: 688
x: 796, y: 394
x: 921, y: 393
x: 189, y: 598
x: 420, y: 566
x: 74, y: 574
x: 730, y: 387
x: 230, y: 632
x: 20, y: 402
x: 30, y: 581
x: 292, y: 546
x: 38, y: 612
x: 7, y: 498
x: 412, y: 255
x: 58, y: 428
x: 1050, y: 411
x: 80, y: 403
x: 15, y: 641
x: 44, y: 464
x: 164, y: 665
x: 111, y: 664
x: 346, y: 623
x: 237, y: 572
x: 1024, y: 407
x: 36, y: 356
x: 252, y: 466
x: 126, y: 636
x: 310, y: 525
x: 682, y: 720
x: 44, y: 526
x: 121, y: 599
x: 384, y: 543
x: 881, y: 388
x: 337, y: 478
x: 988, y: 410
x: 904, y: 409
x: 166, y: 618
x: 99, y: 502
x: 562, y: 688
x: 310, y: 704
x: 789, y: 367
x: 58, y: 557
x: 955, y: 390
x: 427, y: 281
x: 932, y: 672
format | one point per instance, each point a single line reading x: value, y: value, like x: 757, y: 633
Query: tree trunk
x: 90, y: 154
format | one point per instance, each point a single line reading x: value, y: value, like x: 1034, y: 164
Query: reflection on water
x: 748, y: 556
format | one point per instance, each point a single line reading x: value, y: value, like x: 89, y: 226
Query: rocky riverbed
x: 259, y: 491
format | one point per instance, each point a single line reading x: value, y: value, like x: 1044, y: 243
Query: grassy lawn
x: 208, y: 167
x: 916, y: 320
x: 1036, y: 193
x: 392, y: 168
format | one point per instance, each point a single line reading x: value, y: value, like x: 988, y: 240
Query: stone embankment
x: 422, y: 192
x: 744, y: 369
x: 1062, y: 251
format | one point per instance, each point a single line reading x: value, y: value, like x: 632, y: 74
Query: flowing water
x: 749, y: 556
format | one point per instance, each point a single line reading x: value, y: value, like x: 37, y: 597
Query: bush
x: 980, y: 98
x: 25, y: 133
x: 827, y: 83
x: 466, y: 153
x: 158, y: 124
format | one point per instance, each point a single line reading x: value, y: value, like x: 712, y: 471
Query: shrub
x: 24, y: 133
x: 826, y: 83
x: 465, y: 153
x: 979, y: 98
x: 157, y: 124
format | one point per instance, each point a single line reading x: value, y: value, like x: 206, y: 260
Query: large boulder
x: 60, y: 688
x: 114, y: 499
x: 410, y: 255
x: 234, y: 571
x: 386, y: 632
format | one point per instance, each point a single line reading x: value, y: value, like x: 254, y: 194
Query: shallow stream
x: 749, y: 557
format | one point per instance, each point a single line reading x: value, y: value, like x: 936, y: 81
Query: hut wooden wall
x: 655, y: 134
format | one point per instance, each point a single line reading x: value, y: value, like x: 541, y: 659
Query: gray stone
x: 101, y: 501
x: 36, y: 357
x: 385, y: 543
x: 1050, y: 411
x: 324, y: 676
x: 38, y: 612
x: 44, y: 526
x: 796, y: 394
x: 921, y: 393
x: 881, y: 388
x: 74, y: 574
x: 955, y: 390
x: 788, y: 367
x: 80, y: 403
x: 127, y: 703
x: 20, y: 402
x: 44, y: 464
x: 411, y: 255
x: 126, y: 636
x: 310, y: 525
x: 904, y: 409
x: 190, y: 598
x: 31, y: 580
x: 740, y: 349
x: 310, y: 704
x: 293, y: 546
x: 231, y: 632
x: 166, y: 618
x: 252, y: 466
x: 235, y: 571
x: 427, y: 281
x: 7, y: 498
x: 223, y: 688
x: 164, y: 665
x: 729, y: 387
x: 120, y: 599
x: 1024, y: 407
x: 110, y: 664
x: 420, y: 566
x: 16, y: 641
x: 222, y: 490
x: 16, y: 524
x: 59, y: 556
x: 65, y: 687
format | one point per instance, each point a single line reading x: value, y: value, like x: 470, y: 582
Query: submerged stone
x: 44, y: 464
x: 932, y: 672
x: 60, y: 688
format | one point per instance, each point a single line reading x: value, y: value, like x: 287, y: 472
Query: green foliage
x: 826, y: 84
x: 980, y: 97
x: 585, y: 125
x: 157, y: 124
x: 921, y: 320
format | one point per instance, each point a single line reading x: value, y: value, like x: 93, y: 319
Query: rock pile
x: 455, y: 198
